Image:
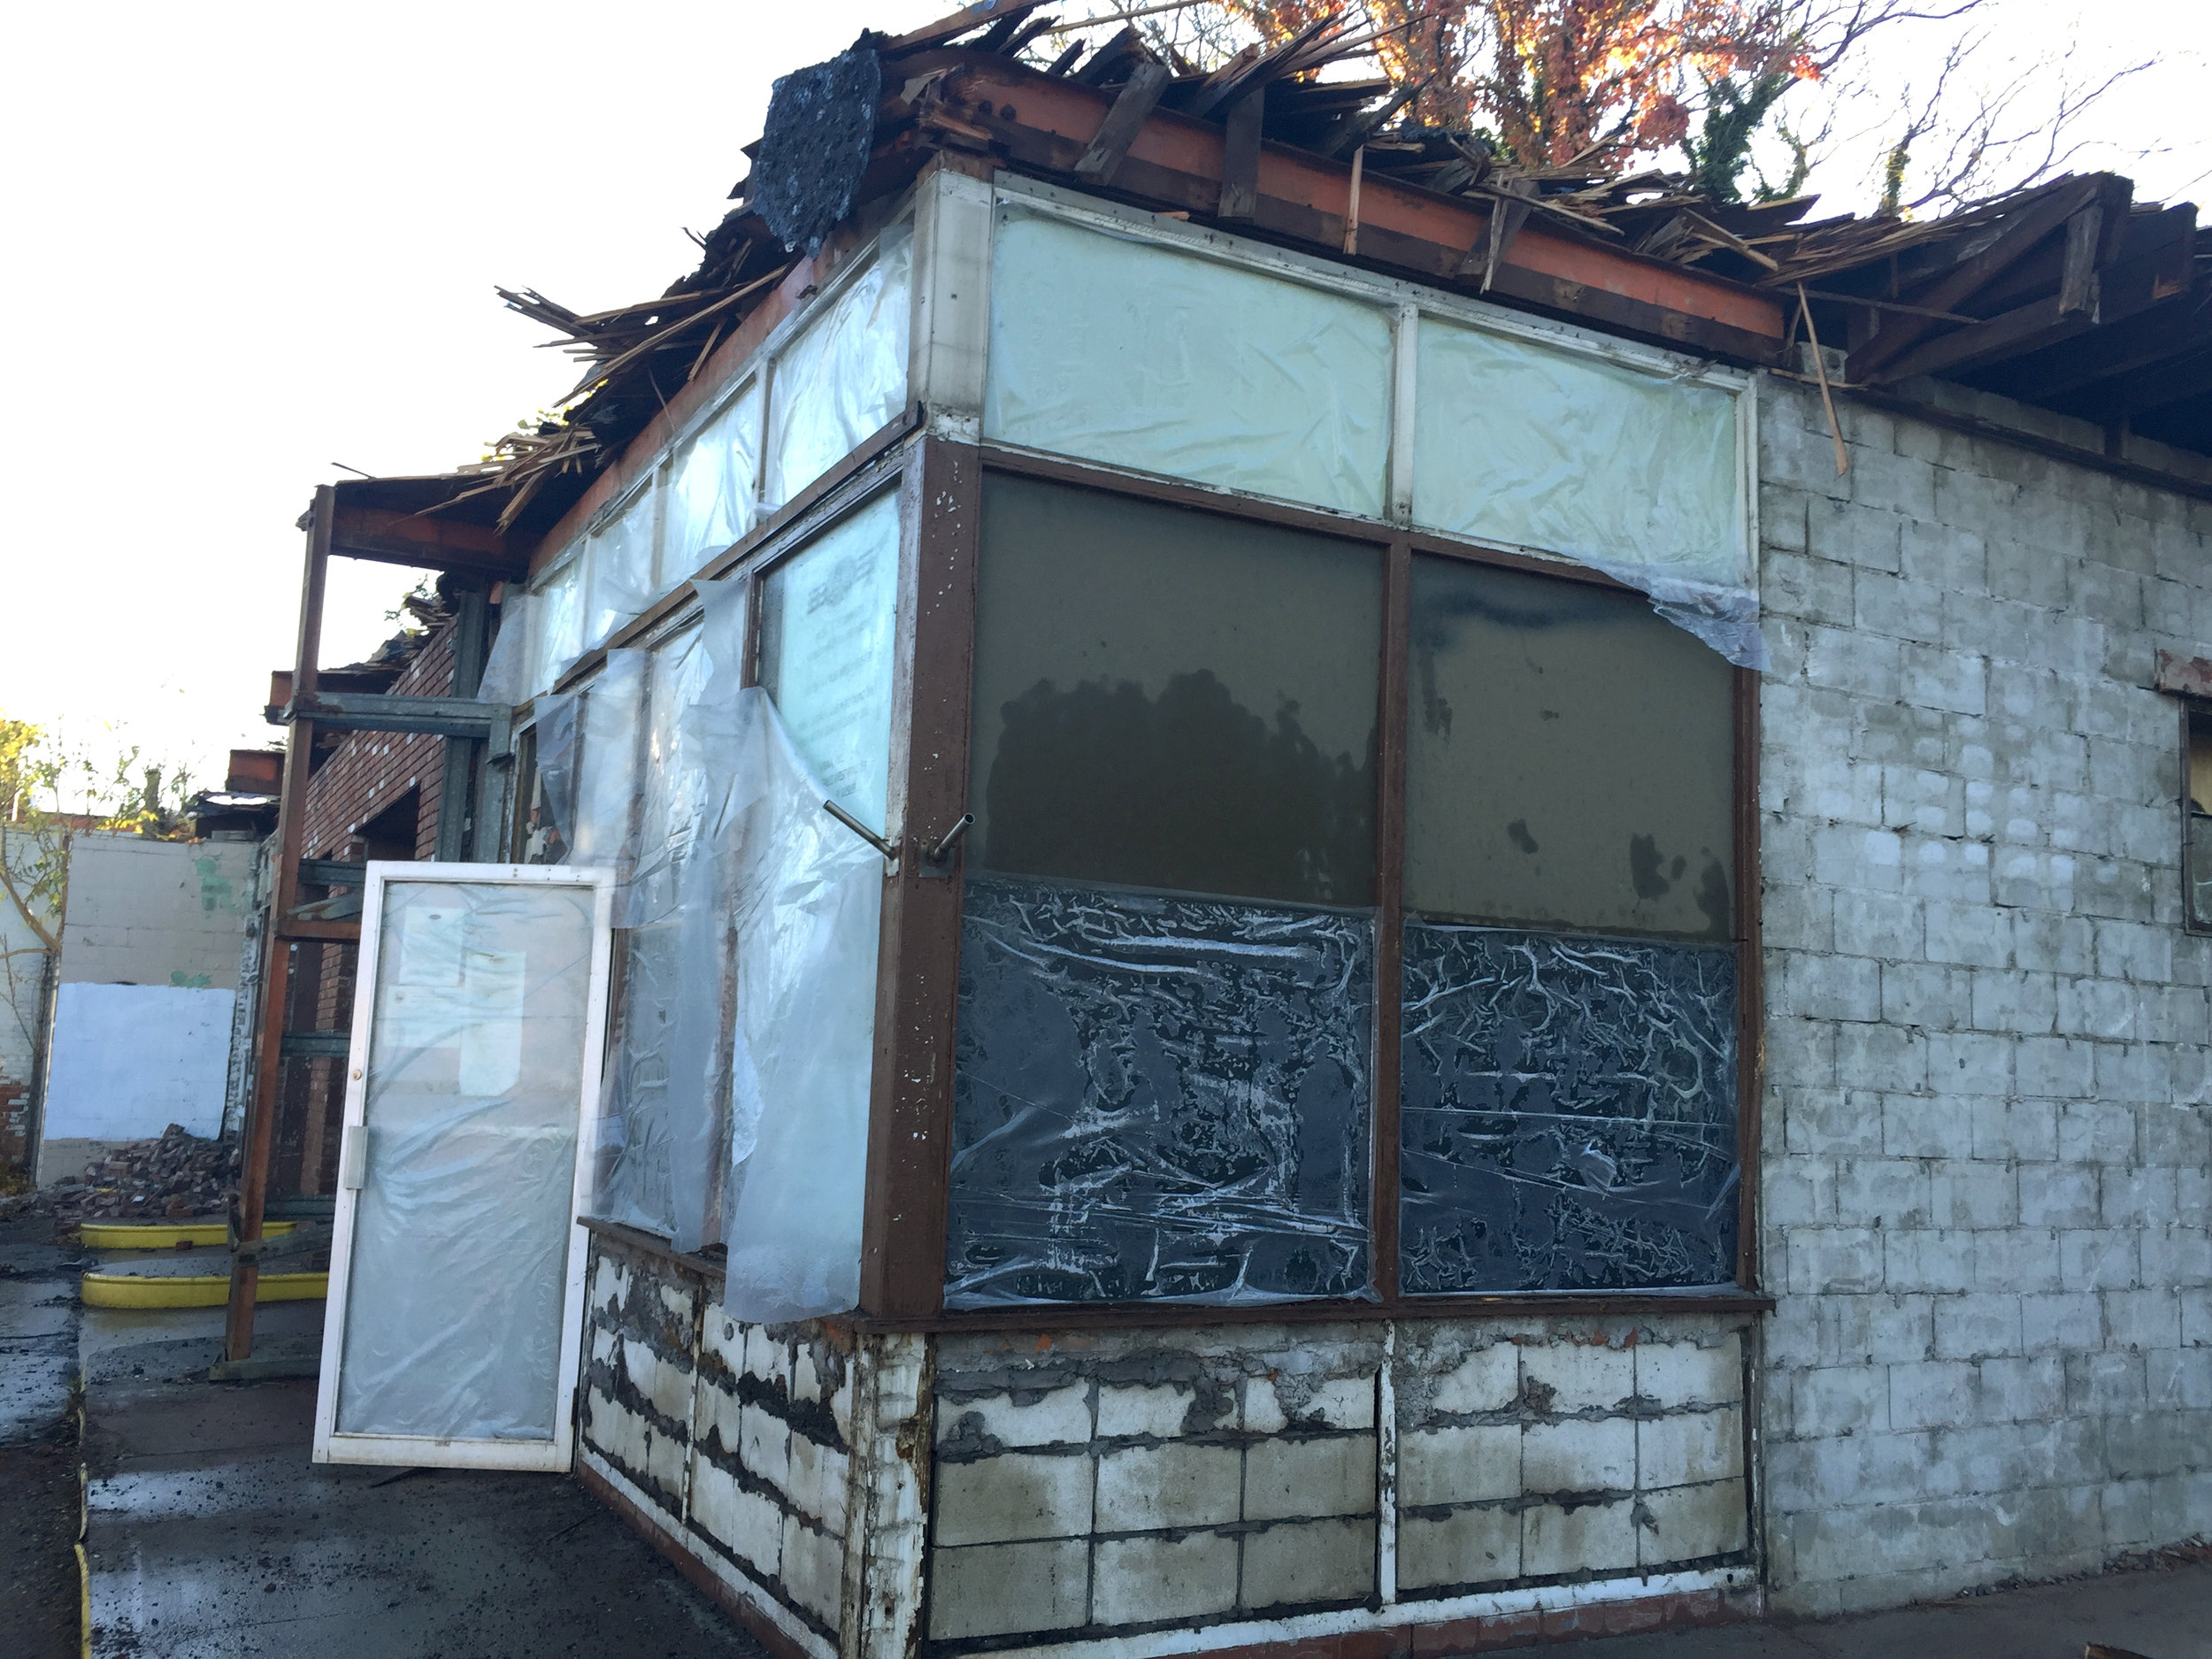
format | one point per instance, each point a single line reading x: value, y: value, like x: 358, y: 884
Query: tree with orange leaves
x: 1593, y: 83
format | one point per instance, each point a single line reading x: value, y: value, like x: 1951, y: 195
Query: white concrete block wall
x: 1986, y: 1157
x: 1140, y: 1478
x: 1552, y: 1448
x: 1145, y: 1478
x: 734, y: 1438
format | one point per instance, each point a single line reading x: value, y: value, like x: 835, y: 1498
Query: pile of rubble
x: 179, y: 1175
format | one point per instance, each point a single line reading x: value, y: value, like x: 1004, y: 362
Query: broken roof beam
x: 1175, y: 163
x: 385, y: 536
x: 2017, y: 235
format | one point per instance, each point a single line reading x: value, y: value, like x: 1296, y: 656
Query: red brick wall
x: 370, y: 771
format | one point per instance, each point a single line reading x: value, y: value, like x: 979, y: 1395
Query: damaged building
x: 1207, y: 879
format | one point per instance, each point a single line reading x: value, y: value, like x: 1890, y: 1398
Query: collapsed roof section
x: 2068, y: 294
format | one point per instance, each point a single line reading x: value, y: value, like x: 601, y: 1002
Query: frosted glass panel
x: 1125, y: 352
x: 557, y: 625
x: 711, y: 487
x: 453, y: 1317
x: 1521, y: 444
x: 618, y: 570
x: 844, y: 374
x: 826, y: 622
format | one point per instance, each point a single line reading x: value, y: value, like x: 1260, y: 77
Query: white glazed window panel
x: 1523, y: 444
x: 828, y: 621
x: 1121, y: 352
x: 712, y: 488
x: 842, y: 376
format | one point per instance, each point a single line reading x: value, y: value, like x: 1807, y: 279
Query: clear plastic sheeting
x: 558, y: 727
x: 1568, y: 1113
x: 803, y: 897
x: 507, y: 666
x: 618, y: 582
x: 828, y: 618
x: 1634, y: 474
x: 843, y: 375
x: 1123, y: 351
x: 712, y: 488
x: 607, y: 763
x: 642, y: 1122
x: 475, y: 1079
x: 1726, y: 618
x: 1159, y: 1099
x: 557, y: 623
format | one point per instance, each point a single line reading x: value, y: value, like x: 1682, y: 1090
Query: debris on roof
x: 2067, y: 293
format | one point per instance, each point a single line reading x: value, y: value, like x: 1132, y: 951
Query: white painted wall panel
x: 129, y: 1060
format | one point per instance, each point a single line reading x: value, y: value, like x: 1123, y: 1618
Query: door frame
x: 554, y: 1455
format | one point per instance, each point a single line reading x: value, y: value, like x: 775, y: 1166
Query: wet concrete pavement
x: 2163, y: 1613
x: 38, y: 1333
x: 210, y: 1535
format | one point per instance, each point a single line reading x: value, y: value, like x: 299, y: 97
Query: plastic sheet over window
x: 607, y: 763
x: 641, y: 1123
x: 558, y: 729
x: 1568, y: 1113
x: 711, y: 488
x: 1120, y: 350
x: 507, y: 666
x: 557, y: 625
x: 1630, y: 474
x: 618, y: 571
x: 803, y: 900
x: 827, y: 619
x: 1159, y: 1098
x: 475, y: 1091
x: 842, y: 376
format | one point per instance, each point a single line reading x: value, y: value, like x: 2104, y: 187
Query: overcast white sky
x: 248, y: 241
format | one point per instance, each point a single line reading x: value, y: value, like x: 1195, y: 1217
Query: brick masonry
x: 369, y: 772
x: 1985, y: 1160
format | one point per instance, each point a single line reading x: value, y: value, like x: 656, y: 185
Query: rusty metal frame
x: 335, y: 529
x: 911, y: 1117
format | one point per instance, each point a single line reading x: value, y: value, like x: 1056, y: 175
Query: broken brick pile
x: 179, y: 1175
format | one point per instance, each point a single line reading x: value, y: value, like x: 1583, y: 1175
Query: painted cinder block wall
x: 1985, y: 1154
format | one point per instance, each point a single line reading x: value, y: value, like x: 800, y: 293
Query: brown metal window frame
x: 910, y: 1117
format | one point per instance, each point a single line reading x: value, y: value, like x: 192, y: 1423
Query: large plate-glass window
x: 827, y: 617
x: 1169, y: 699
x: 1569, y: 1049
x: 1166, y: 997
